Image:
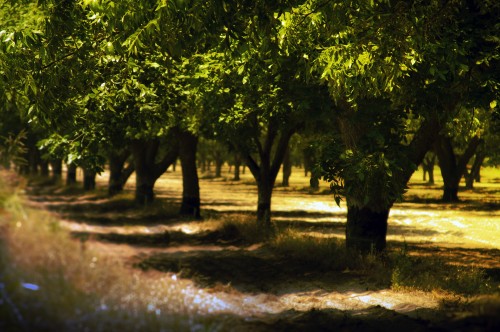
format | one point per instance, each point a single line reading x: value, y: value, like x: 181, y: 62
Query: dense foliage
x: 377, y: 82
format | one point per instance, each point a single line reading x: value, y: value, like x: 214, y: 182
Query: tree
x: 428, y: 166
x: 287, y: 167
x: 388, y: 66
x: 456, y: 146
x: 258, y: 111
x: 454, y: 167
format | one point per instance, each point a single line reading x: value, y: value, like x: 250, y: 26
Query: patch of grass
x: 243, y: 228
x: 325, y: 253
x: 399, y: 270
x: 434, y: 274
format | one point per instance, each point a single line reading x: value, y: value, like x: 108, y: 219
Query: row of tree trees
x: 372, y: 84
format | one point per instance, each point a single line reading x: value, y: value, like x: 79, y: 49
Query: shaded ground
x: 268, y: 292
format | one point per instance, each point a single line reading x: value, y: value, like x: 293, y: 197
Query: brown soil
x: 265, y: 291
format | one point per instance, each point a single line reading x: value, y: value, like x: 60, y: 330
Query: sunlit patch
x: 458, y: 224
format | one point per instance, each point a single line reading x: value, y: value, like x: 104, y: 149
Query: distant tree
x: 428, y: 166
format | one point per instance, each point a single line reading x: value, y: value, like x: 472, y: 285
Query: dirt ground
x: 256, y: 290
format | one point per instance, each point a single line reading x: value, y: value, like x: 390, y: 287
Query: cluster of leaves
x: 96, y: 74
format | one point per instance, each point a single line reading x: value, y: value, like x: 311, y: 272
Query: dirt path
x: 260, y: 290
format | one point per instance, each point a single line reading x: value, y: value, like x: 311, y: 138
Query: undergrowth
x: 399, y: 270
x: 434, y: 273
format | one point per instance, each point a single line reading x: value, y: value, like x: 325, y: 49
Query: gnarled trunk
x: 474, y: 174
x: 190, y: 184
x: 266, y: 172
x: 453, y: 167
x: 118, y: 175
x: 366, y: 229
x: 147, y: 169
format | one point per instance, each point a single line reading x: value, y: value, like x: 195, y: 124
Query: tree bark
x: 190, y: 183
x: 218, y: 167
x: 237, y: 164
x: 314, y: 182
x: 265, y: 192
x: 366, y: 229
x: 88, y: 179
x: 147, y: 169
x: 71, y: 174
x: 287, y: 168
x: 453, y: 167
x: 118, y: 175
x: 474, y: 173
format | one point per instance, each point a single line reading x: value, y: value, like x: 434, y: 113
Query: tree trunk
x: 33, y: 160
x: 144, y: 193
x: 477, y: 178
x: 452, y: 169
x: 144, y: 157
x: 218, y: 167
x: 118, y: 175
x: 431, y: 174
x: 71, y: 174
x: 366, y: 229
x: 88, y: 179
x: 287, y: 168
x: 265, y: 192
x: 314, y: 182
x: 266, y: 172
x: 44, y: 168
x: 428, y: 167
x: 147, y: 169
x: 474, y: 173
x: 56, y: 168
x: 190, y: 184
x: 450, y: 193
x: 237, y: 164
